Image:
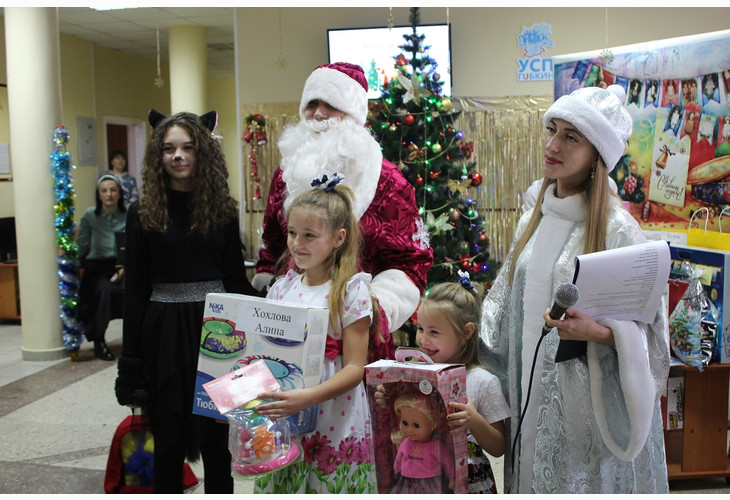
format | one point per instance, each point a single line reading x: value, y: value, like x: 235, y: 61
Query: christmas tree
x: 414, y: 124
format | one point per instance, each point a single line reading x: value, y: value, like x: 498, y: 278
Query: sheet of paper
x: 625, y: 283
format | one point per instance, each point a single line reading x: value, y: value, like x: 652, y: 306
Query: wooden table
x: 9, y: 291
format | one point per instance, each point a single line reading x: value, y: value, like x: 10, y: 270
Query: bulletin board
x: 678, y: 93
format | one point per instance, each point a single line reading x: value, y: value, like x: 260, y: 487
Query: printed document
x: 624, y: 283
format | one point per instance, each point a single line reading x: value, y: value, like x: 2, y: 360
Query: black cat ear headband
x: 209, y: 119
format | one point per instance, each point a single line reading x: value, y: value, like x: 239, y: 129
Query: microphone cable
x: 566, y: 296
x: 527, y: 401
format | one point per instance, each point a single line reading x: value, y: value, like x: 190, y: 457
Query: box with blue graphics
x: 240, y: 329
x: 716, y: 283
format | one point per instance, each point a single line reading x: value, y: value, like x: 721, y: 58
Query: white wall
x: 484, y: 41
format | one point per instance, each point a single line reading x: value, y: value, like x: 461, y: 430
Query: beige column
x: 34, y: 104
x: 188, y: 69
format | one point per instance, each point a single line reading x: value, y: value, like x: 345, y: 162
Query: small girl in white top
x: 323, y: 239
x: 446, y: 330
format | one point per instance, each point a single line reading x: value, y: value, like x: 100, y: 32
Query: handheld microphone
x: 565, y: 296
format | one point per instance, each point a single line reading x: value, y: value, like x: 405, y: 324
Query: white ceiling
x: 134, y: 31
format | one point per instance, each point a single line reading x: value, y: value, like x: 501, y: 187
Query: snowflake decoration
x: 606, y: 57
x: 421, y: 234
x: 159, y: 82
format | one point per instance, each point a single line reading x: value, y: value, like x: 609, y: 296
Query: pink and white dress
x: 337, y: 455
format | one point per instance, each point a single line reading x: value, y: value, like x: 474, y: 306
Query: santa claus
x: 331, y: 138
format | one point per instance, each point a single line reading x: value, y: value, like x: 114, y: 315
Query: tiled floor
x: 57, y: 420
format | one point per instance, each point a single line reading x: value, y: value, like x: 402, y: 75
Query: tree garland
x: 67, y: 260
x: 255, y: 135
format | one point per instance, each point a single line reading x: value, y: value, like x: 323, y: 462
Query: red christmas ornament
x: 465, y: 262
x: 435, y: 175
x: 401, y: 60
x: 419, y: 180
x: 630, y: 184
x: 261, y: 137
x: 257, y: 194
x: 409, y: 120
x: 476, y: 179
x: 466, y: 148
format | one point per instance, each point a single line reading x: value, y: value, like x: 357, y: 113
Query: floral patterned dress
x: 337, y: 455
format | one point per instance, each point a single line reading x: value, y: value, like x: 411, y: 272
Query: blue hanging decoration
x: 68, y: 250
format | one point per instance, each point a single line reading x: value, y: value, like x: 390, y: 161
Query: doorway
x: 128, y: 135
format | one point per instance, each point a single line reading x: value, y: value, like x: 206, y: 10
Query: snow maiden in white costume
x: 593, y: 423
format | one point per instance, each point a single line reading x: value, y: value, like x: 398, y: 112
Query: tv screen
x: 375, y: 49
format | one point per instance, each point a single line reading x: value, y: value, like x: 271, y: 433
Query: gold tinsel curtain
x: 507, y: 134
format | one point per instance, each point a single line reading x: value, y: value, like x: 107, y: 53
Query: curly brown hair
x: 210, y: 203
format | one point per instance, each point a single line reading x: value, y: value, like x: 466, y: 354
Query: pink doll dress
x: 419, y: 465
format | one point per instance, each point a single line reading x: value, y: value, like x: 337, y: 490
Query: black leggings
x: 170, y: 450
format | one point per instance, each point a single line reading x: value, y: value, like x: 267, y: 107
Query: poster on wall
x: 678, y: 93
x: 87, y: 140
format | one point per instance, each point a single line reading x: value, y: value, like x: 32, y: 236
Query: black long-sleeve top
x: 176, y: 256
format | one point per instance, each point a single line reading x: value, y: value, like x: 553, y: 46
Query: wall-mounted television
x: 375, y: 49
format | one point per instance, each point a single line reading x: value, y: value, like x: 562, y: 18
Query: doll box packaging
x: 240, y: 329
x: 716, y: 283
x: 413, y: 372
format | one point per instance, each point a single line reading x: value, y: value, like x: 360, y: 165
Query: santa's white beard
x: 342, y: 146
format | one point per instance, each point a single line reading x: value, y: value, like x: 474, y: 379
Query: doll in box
x: 422, y: 458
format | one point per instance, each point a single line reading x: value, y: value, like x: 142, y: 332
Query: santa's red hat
x: 341, y: 85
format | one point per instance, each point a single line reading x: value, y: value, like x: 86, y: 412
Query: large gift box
x: 240, y: 329
x: 412, y: 372
x: 716, y: 283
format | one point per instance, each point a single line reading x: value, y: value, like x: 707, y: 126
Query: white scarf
x: 560, y: 216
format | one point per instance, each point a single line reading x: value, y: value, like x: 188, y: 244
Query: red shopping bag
x: 129, y: 466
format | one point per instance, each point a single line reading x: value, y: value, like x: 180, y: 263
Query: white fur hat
x: 342, y: 86
x: 600, y: 116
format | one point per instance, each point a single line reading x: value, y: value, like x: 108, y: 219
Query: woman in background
x: 118, y: 165
x: 101, y: 294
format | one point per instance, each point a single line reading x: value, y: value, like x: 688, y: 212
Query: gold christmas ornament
x: 446, y: 104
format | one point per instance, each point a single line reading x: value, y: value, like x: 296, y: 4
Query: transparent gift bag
x: 258, y: 444
x: 693, y: 323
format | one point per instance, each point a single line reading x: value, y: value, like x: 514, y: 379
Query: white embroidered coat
x: 593, y: 423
